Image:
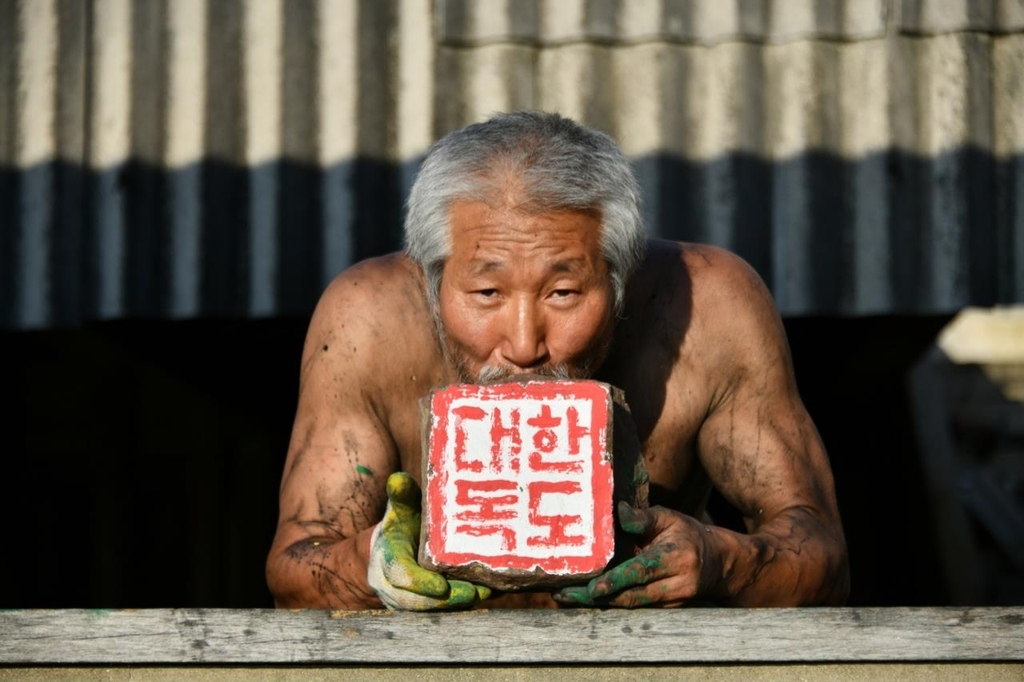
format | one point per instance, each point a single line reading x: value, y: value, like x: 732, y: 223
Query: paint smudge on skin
x: 365, y: 471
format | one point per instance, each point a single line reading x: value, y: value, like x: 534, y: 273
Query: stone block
x: 520, y: 481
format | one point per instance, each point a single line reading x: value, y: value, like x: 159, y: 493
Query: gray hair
x: 559, y: 164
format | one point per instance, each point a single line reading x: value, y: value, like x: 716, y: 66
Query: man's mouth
x: 490, y: 374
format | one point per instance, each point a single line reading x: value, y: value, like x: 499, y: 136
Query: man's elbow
x: 833, y: 571
x: 290, y: 587
x: 304, y: 575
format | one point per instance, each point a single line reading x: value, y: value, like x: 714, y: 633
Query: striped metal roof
x: 184, y: 158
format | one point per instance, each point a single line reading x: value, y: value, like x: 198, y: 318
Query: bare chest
x: 668, y: 418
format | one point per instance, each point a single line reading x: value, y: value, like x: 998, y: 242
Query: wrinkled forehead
x: 486, y: 238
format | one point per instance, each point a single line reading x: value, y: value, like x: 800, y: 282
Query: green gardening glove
x: 393, y: 573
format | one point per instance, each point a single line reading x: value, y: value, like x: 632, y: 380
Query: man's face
x: 524, y: 293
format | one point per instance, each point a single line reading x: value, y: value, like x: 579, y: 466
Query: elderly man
x: 525, y: 253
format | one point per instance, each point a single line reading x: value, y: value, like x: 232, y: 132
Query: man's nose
x: 525, y: 345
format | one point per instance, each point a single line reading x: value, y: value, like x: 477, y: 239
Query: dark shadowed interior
x: 143, y: 458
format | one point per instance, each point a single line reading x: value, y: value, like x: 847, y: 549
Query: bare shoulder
x: 728, y: 292
x: 722, y: 278
x: 369, y: 315
x: 369, y: 298
x: 701, y: 263
x: 727, y: 321
x: 734, y: 313
x: 716, y: 288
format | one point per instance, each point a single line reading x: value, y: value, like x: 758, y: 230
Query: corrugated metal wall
x: 182, y: 158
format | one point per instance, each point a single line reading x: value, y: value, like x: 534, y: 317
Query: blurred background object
x: 179, y: 179
x: 968, y: 399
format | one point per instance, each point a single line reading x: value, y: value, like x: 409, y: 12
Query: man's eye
x: 487, y: 293
x: 563, y: 293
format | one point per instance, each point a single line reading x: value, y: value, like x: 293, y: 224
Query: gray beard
x: 582, y: 368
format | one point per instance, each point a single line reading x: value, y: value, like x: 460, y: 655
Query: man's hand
x: 677, y: 566
x: 393, y: 573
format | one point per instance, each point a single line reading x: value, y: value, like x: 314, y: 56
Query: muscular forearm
x: 796, y: 559
x: 322, y: 572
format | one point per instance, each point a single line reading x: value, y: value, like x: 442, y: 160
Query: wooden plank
x: 182, y: 636
x: 812, y: 672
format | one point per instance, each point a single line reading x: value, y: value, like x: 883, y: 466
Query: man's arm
x: 349, y: 522
x: 764, y: 455
x: 340, y: 455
